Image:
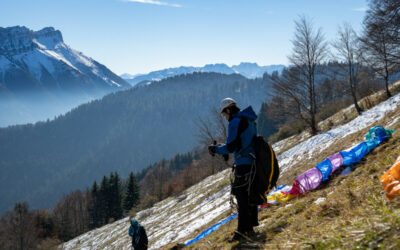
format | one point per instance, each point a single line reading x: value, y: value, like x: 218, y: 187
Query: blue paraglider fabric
x: 325, y: 167
x: 211, y: 229
x: 346, y: 171
x: 360, y: 151
x: 378, y: 133
x: 371, y: 144
x: 348, y: 158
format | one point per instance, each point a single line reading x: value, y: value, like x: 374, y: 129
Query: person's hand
x: 212, y: 149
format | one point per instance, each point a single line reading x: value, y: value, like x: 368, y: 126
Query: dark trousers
x: 139, y: 240
x: 248, y: 214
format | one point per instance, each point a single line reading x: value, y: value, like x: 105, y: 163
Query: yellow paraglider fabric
x: 280, y: 197
x: 391, y: 181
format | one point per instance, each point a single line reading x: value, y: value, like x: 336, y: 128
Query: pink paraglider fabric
x: 309, y: 180
x: 336, y: 160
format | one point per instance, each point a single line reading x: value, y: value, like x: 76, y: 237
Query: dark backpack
x: 139, y: 239
x: 265, y: 173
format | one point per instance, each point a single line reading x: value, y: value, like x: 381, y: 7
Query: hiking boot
x: 236, y: 236
x: 250, y: 233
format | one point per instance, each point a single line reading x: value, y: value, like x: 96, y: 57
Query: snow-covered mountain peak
x: 218, y: 67
x: 248, y: 64
x: 249, y: 70
x: 49, y: 37
x: 40, y: 59
x: 15, y: 40
x: 19, y: 39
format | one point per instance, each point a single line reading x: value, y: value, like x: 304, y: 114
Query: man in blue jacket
x: 241, y: 131
x: 138, y: 234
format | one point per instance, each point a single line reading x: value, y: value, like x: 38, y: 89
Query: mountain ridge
x: 42, y: 76
x: 248, y: 70
x: 39, y: 52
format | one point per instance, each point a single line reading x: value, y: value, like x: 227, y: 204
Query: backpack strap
x: 272, y: 167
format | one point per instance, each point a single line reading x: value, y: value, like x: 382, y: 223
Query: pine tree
x: 104, y: 201
x: 94, y: 209
x: 115, y: 196
x: 132, y: 193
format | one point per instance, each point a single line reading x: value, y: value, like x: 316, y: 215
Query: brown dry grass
x: 354, y: 214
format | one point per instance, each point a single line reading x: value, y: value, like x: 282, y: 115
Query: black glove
x: 212, y: 149
x: 226, y: 157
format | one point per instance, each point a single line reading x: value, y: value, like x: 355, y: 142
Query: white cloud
x: 155, y: 3
x: 361, y: 9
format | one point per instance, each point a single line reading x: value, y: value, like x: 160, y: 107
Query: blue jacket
x: 241, y: 131
x: 134, y: 228
x: 139, y: 236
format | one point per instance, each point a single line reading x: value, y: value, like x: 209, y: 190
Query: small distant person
x: 241, y: 131
x: 139, y: 236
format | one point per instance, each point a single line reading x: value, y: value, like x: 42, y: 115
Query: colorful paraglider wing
x: 360, y: 151
x: 348, y: 157
x: 374, y: 132
x: 336, y: 161
x: 378, y: 133
x: 371, y: 144
x: 389, y: 132
x: 295, y: 188
x: 309, y: 180
x: 355, y: 154
x: 280, y: 188
x: 391, y: 181
x: 211, y: 229
x: 346, y: 171
x: 284, y: 197
x: 279, y: 195
x: 325, y: 167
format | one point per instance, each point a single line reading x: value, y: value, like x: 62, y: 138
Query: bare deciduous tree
x: 349, y: 50
x: 297, y: 84
x: 211, y: 128
x: 19, y: 228
x: 381, y: 37
x: 71, y: 214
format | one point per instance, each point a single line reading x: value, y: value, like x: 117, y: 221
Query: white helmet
x: 225, y: 103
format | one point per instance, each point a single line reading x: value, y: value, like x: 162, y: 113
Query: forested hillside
x: 124, y: 132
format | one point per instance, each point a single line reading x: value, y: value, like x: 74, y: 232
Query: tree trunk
x: 353, y: 88
x: 353, y: 93
x: 386, y: 69
x: 314, y: 129
x: 387, y: 84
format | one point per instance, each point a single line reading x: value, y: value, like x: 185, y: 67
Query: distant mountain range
x: 248, y: 70
x: 37, y: 67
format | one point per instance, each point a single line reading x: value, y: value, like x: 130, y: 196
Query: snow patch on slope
x: 324, y: 140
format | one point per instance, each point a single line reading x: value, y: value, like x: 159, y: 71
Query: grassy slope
x: 355, y: 212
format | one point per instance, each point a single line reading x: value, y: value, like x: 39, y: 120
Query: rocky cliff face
x: 31, y: 60
x: 16, y: 40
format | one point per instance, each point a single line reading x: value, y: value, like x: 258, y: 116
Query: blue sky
x: 139, y: 36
